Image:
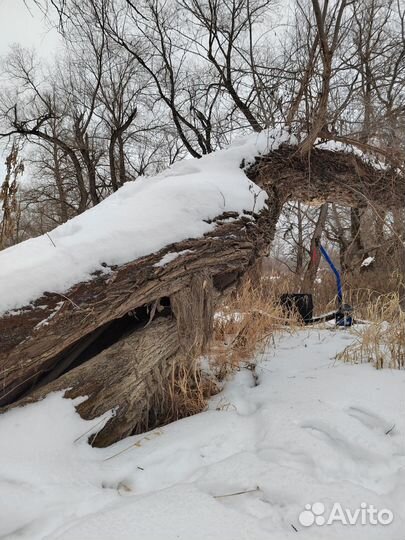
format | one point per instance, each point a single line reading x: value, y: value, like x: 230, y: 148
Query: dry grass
x: 188, y: 391
x: 382, y: 340
x: 247, y: 320
x: 184, y: 391
x: 243, y: 325
x: 360, y: 290
x: 374, y: 298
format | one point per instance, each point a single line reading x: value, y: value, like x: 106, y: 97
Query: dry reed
x: 381, y: 340
x: 242, y: 326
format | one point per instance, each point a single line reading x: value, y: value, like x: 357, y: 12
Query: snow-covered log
x: 106, y: 303
x: 59, y: 332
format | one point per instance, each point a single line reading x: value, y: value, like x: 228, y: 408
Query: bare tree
x: 9, y: 212
x: 329, y: 20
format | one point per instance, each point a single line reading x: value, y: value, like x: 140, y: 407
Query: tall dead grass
x: 381, y: 340
x: 252, y: 316
x: 375, y: 300
x: 361, y: 290
x: 189, y: 390
x: 243, y: 324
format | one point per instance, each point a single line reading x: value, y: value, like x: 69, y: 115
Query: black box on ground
x: 299, y: 302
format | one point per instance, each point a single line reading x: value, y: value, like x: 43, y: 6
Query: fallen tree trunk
x: 67, y: 329
x: 115, y: 337
x: 125, y: 379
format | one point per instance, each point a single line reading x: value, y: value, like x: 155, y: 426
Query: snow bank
x: 308, y: 429
x: 139, y: 219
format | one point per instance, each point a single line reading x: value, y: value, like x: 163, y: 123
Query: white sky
x: 27, y: 27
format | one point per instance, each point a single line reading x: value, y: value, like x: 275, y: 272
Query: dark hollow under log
x: 123, y: 379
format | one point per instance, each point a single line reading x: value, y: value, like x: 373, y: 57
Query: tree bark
x: 122, y: 379
x: 59, y: 185
x: 356, y: 247
x: 36, y: 339
x: 300, y: 244
x: 315, y: 258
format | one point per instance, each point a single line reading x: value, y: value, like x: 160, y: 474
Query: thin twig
x: 50, y: 238
x: 237, y: 493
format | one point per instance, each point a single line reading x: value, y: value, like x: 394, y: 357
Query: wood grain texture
x: 38, y: 337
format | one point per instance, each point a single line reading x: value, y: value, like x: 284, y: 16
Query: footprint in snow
x: 347, y: 442
x: 372, y: 420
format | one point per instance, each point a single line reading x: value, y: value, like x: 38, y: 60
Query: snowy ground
x: 308, y: 429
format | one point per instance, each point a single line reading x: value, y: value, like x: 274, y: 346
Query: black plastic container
x: 301, y: 303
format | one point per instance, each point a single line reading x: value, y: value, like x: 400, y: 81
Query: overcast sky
x: 18, y: 24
